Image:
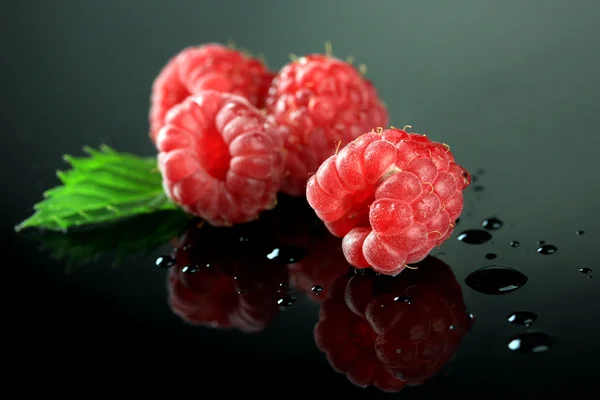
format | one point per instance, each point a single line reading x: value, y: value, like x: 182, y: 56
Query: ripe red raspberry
x: 221, y: 281
x: 320, y: 101
x: 207, y: 67
x: 219, y: 158
x: 392, y: 196
x: 392, y: 332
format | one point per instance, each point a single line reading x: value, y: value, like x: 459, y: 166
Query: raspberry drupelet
x: 391, y: 195
x: 207, y: 67
x: 219, y: 158
x: 320, y: 101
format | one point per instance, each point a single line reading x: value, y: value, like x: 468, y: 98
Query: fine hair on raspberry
x: 211, y: 66
x: 321, y: 102
x: 391, y: 195
x: 220, y: 159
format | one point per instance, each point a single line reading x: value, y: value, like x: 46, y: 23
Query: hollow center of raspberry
x: 358, y: 211
x: 214, y: 154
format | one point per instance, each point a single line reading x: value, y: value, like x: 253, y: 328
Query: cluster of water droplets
x: 500, y: 280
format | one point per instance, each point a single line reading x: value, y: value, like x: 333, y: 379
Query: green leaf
x: 139, y: 234
x: 103, y: 187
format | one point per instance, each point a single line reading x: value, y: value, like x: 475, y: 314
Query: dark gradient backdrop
x: 511, y: 85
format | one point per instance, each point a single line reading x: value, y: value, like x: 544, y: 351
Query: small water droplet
x: 240, y: 292
x: 579, y: 233
x: 283, y: 285
x: 452, y: 327
x: 522, y: 317
x: 286, y: 301
x: 586, y: 271
x: 317, y: 289
x: 470, y: 316
x: 478, y: 188
x: 402, y: 299
x: 286, y: 254
x: 492, y: 224
x: 514, y: 243
x: 490, y: 256
x: 474, y: 236
x: 399, y: 375
x: 531, y: 342
x: 244, y: 239
x: 207, y: 265
x: 495, y: 279
x: 398, y: 351
x: 165, y: 262
x: 541, y: 242
x: 547, y: 249
x: 190, y: 269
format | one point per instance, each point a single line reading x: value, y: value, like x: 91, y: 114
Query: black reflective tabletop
x: 507, y: 307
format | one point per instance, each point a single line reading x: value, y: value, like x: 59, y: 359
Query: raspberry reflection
x: 323, y: 264
x: 392, y: 332
x: 228, y: 278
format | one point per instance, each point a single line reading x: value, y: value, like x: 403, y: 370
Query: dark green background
x: 511, y: 85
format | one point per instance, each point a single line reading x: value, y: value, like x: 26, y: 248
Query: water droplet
x: 491, y: 223
x: 165, y: 262
x: 402, y: 299
x: 474, y: 236
x: 286, y: 301
x: 398, y: 351
x: 579, y: 233
x: 541, y: 242
x: 586, y: 271
x: 399, y: 375
x: 547, y: 249
x: 452, y: 327
x: 495, y: 279
x: 478, y: 188
x: 317, y: 289
x: 471, y: 316
x: 522, y: 317
x: 514, y: 243
x: 190, y: 269
x: 240, y: 292
x: 244, y: 239
x: 490, y: 256
x: 531, y: 342
x: 286, y: 254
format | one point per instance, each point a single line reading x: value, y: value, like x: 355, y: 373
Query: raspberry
x: 393, y: 196
x: 208, y: 67
x: 392, y: 332
x: 321, y: 102
x: 219, y: 158
x: 223, y: 282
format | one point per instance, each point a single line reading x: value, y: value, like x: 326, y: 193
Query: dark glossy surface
x: 512, y: 86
